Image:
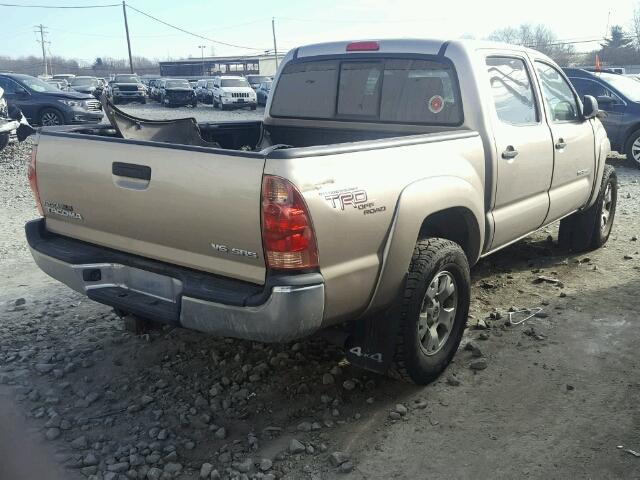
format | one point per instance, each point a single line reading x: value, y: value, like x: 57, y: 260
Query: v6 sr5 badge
x: 354, y: 197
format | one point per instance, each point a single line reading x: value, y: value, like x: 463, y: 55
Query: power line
x: 59, y: 6
x: 364, y: 20
x: 560, y: 43
x: 191, y: 33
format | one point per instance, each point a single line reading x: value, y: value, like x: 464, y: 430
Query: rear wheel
x: 590, y: 229
x: 50, y: 117
x: 632, y: 149
x: 433, y: 310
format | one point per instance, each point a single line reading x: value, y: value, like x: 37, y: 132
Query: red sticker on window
x: 436, y: 104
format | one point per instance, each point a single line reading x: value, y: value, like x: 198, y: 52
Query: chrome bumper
x: 289, y: 312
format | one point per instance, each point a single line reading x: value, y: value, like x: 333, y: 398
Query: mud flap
x: 372, y: 344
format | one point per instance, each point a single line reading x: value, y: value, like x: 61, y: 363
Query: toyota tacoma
x: 381, y: 172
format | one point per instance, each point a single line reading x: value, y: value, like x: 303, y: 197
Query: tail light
x: 287, y: 232
x: 33, y: 178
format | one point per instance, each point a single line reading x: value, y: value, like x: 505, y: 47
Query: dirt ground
x: 82, y: 398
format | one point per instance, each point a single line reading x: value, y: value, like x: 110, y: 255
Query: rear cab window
x: 384, y: 90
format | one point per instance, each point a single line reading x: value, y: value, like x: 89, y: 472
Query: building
x: 211, y: 66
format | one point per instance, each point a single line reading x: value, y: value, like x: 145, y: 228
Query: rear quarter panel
x: 353, y: 199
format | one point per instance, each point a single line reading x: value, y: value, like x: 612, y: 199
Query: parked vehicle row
x: 70, y: 99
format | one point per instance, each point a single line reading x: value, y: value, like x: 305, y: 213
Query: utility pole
x: 275, y: 46
x: 202, y: 47
x: 126, y: 28
x: 42, y: 29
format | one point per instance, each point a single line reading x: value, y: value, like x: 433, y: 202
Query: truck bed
x: 255, y: 135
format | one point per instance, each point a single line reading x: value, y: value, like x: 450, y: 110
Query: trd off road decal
x: 353, y: 197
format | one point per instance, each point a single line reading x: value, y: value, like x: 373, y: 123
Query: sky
x: 85, y: 34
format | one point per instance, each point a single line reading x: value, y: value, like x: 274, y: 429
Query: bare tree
x: 538, y: 37
x: 32, y: 65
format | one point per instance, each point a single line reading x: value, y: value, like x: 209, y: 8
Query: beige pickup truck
x: 381, y: 172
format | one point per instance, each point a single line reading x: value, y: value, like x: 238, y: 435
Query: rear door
x: 524, y: 149
x: 573, y: 141
x: 191, y: 206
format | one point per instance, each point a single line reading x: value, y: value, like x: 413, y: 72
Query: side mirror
x: 20, y: 91
x: 606, y: 101
x: 589, y: 107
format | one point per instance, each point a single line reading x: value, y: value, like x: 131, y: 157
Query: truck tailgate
x: 188, y: 206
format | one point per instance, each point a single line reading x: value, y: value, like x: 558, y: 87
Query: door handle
x: 131, y: 170
x: 560, y: 144
x: 510, y: 153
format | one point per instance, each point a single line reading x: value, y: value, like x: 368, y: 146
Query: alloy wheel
x: 438, y: 313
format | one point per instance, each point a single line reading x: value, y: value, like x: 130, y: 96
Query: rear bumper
x: 285, y: 308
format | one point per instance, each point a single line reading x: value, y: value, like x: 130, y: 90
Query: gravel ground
x: 552, y: 398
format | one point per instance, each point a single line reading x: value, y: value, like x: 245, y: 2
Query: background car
x: 619, y: 96
x: 44, y: 104
x: 255, y: 80
x: 56, y: 83
x: 154, y: 93
x: 231, y: 91
x: 126, y: 88
x: 176, y: 93
x: 262, y: 92
x: 90, y: 85
x: 204, y: 91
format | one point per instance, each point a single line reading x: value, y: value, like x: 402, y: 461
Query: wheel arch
x: 446, y: 207
x: 457, y: 224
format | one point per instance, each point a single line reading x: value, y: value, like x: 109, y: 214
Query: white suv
x: 229, y: 92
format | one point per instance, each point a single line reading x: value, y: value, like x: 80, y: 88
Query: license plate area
x: 101, y: 276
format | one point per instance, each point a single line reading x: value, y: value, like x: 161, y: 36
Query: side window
x: 512, y: 90
x: 595, y: 89
x: 558, y: 96
x: 7, y: 85
x: 588, y: 87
